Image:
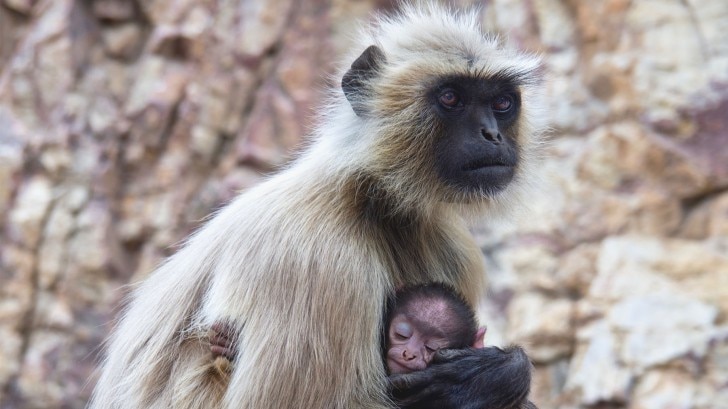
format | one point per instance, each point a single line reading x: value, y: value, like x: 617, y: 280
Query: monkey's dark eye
x: 449, y: 99
x: 502, y: 104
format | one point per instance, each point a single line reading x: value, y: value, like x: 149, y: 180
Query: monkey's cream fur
x: 301, y: 265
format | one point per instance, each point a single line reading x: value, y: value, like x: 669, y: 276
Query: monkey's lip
x: 481, y: 164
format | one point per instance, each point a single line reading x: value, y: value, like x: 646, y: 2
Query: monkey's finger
x: 399, y: 382
x: 445, y: 355
x: 221, y: 351
x: 221, y: 341
x: 411, y: 381
x: 222, y: 329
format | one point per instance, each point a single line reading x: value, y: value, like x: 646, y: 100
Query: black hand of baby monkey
x: 482, y: 378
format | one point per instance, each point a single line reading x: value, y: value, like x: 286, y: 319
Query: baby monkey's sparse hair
x: 443, y: 300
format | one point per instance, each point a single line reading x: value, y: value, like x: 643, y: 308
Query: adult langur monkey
x: 436, y: 120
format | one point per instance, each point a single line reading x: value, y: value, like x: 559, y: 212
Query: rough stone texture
x: 123, y: 123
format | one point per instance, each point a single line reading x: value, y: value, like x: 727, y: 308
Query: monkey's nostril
x: 492, y: 136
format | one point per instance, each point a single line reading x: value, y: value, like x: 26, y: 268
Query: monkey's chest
x: 414, y: 257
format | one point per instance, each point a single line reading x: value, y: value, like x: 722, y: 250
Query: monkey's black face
x: 475, y: 149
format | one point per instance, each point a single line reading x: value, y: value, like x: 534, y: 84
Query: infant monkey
x: 424, y: 319
x: 428, y: 351
x: 429, y: 354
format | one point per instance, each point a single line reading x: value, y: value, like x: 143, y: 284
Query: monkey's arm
x: 145, y: 346
x: 468, y: 378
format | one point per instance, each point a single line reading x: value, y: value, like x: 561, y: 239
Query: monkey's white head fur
x: 423, y: 42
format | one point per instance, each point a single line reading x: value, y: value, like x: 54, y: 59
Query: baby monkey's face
x: 412, y: 341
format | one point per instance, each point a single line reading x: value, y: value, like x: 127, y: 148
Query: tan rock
x: 171, y: 11
x: 103, y: 115
x: 697, y: 222
x: 33, y: 382
x: 543, y: 325
x: 577, y: 269
x: 713, y: 393
x: 123, y: 40
x: 53, y: 311
x: 21, y: 6
x: 529, y: 261
x: 260, y: 26
x: 87, y: 250
x: 10, y: 346
x: 11, y: 159
x: 658, y: 329
x: 595, y: 372
x: 53, y: 252
x: 56, y: 160
x: 593, y: 214
x: 54, y: 75
x: 205, y: 142
x: 555, y: 23
x: 28, y: 216
x: 664, y: 33
x: 666, y: 389
x: 114, y: 10
x: 219, y: 100
x: 642, y: 266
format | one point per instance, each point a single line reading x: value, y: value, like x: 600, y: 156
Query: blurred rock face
x: 123, y: 123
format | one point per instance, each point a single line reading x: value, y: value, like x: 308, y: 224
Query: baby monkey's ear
x: 480, y: 337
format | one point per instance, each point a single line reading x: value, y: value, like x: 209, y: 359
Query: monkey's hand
x: 222, y: 341
x: 467, y: 378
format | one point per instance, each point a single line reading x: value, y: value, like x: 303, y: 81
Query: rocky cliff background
x: 123, y: 123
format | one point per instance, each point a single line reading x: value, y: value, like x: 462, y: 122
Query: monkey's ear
x: 480, y: 338
x: 362, y: 69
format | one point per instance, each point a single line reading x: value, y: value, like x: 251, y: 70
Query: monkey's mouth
x: 488, y: 175
x: 499, y: 165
